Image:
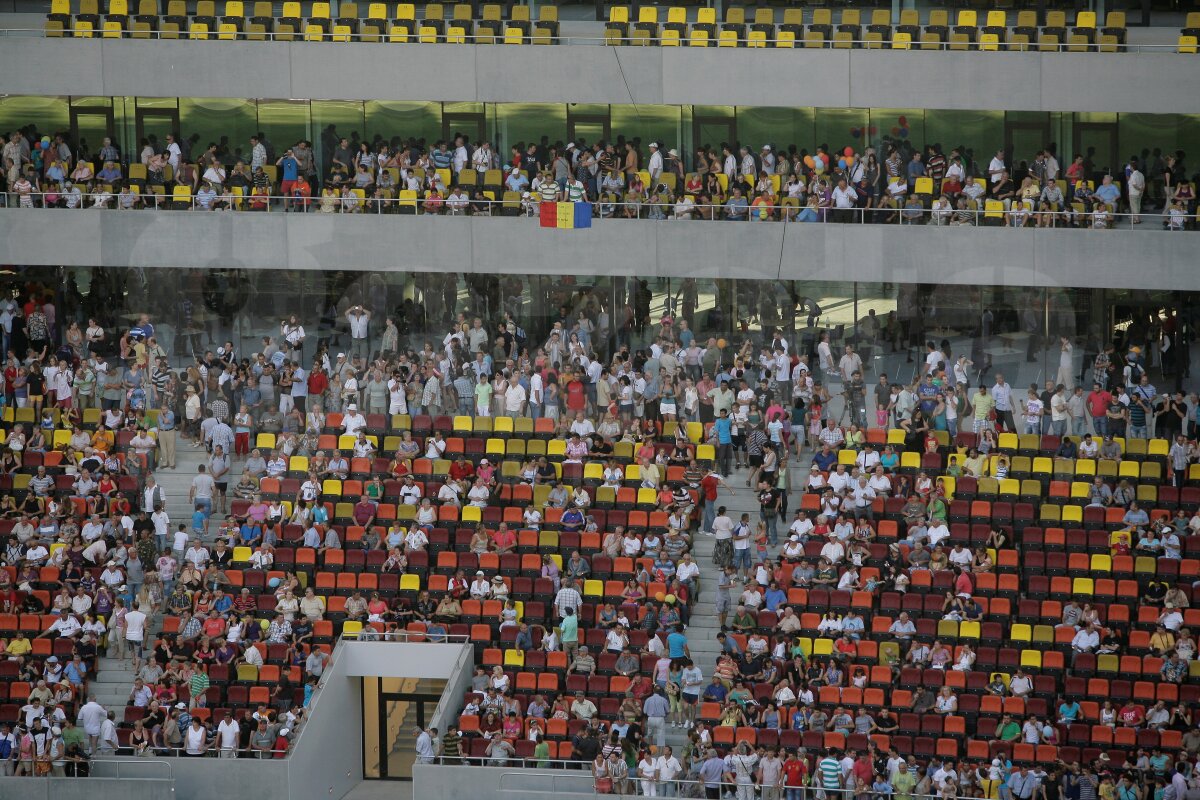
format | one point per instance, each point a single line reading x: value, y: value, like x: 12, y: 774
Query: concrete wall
x: 435, y: 782
x: 88, y: 789
x: 972, y: 256
x: 1121, y: 82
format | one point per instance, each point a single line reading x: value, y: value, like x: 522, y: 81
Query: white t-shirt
x: 228, y: 733
x: 135, y: 625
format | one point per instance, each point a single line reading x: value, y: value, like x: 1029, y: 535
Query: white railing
x: 528, y: 35
x: 775, y: 211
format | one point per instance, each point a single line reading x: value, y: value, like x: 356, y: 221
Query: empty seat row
x: 320, y: 23
x: 970, y: 28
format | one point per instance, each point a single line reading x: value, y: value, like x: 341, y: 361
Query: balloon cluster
x: 45, y: 143
x: 901, y: 130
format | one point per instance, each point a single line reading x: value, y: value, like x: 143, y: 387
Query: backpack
x: 1135, y: 373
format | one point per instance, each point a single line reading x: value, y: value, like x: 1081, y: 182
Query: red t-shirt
x: 1131, y: 715
x: 576, y: 399
x: 794, y: 773
x: 1098, y: 402
x: 709, y: 484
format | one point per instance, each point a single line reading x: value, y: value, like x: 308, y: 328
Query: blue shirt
x: 715, y: 692
x: 724, y: 428
x: 250, y: 533
x: 290, y: 167
x: 198, y: 520
x: 676, y: 642
x: 774, y: 598
x: 824, y: 460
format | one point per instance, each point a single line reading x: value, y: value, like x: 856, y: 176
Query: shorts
x: 285, y: 187
x: 690, y: 699
x: 741, y: 558
x: 221, y: 487
x: 756, y: 461
x: 135, y: 647
x: 723, y: 602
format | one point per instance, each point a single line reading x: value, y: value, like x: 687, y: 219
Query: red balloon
x: 872, y: 130
x: 848, y: 151
x: 904, y: 122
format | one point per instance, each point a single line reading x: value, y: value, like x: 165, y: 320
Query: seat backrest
x: 290, y: 11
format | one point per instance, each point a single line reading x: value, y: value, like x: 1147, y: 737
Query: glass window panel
x: 779, y: 127
x: 331, y: 121
x: 833, y: 127
x: 982, y: 132
x: 49, y: 114
x: 394, y: 122
x: 649, y: 124
x: 1140, y: 134
x: 227, y: 123
x: 530, y: 123
x: 284, y: 122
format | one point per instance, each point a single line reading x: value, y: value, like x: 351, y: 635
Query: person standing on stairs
x: 166, y: 437
x: 722, y: 529
x: 709, y: 486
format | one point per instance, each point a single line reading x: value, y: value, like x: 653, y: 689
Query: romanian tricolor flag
x: 566, y: 215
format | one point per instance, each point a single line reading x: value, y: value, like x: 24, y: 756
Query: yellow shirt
x: 19, y: 647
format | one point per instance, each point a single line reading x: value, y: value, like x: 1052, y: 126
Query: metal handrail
x: 555, y: 776
x: 128, y: 763
x: 775, y: 211
x: 531, y: 38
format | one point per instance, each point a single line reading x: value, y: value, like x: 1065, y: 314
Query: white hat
x: 52, y: 660
x: 479, y: 572
x: 767, y: 147
x: 570, y: 145
x: 352, y: 407
x: 483, y: 461
x: 794, y: 538
x: 285, y: 731
x: 56, y: 731
x: 654, y: 145
x: 673, y: 153
x: 181, y: 706
x: 516, y: 170
x: 341, y: 355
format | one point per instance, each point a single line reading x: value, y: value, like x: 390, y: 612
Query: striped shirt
x: 831, y: 773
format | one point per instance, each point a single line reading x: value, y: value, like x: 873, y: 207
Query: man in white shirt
x: 514, y: 398
x: 937, y: 532
x: 135, y: 634
x: 655, y: 164
x: 996, y: 167
x: 174, y: 153
x: 668, y: 768
x: 353, y: 421
x: 1086, y: 640
x: 844, y: 200
x: 65, y: 627
x: 91, y: 719
x: 197, y: 554
x: 228, y: 733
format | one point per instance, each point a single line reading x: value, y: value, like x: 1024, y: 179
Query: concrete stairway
x: 177, y: 483
x: 703, y: 626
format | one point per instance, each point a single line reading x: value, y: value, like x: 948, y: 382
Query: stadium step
x: 703, y: 626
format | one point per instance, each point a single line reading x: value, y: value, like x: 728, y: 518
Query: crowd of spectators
x: 895, y: 181
x: 364, y: 452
